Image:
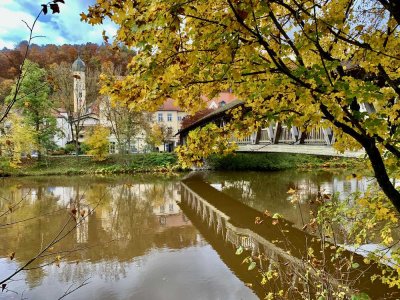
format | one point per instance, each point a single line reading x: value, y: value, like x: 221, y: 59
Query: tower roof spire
x: 78, y: 65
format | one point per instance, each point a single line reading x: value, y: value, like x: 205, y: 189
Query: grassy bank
x: 162, y: 162
x: 278, y: 161
x: 71, y: 165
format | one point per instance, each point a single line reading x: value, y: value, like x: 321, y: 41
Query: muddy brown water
x: 145, y: 238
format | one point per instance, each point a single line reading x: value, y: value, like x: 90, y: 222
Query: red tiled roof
x: 169, y: 105
x: 227, y: 97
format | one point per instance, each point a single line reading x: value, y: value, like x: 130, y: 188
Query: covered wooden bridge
x: 277, y: 137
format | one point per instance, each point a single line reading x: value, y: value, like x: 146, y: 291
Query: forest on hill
x: 96, y: 57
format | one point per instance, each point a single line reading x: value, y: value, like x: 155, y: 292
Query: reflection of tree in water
x: 110, y: 270
x: 122, y: 227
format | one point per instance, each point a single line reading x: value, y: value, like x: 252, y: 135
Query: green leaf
x: 252, y: 266
x: 239, y: 250
x: 355, y: 265
x: 276, y: 216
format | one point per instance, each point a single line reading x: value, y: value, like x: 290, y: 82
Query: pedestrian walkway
x: 300, y: 149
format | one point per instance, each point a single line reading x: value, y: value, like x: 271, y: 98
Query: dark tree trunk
x: 380, y: 173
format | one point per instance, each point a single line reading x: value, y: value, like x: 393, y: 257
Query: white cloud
x: 65, y: 27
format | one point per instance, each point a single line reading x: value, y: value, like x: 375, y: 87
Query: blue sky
x: 63, y: 28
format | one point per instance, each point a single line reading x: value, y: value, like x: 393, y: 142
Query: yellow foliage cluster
x: 332, y: 63
x: 294, y: 61
x: 203, y: 142
x: 98, y: 143
x: 18, y: 139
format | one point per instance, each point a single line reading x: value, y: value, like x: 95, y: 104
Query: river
x: 142, y: 236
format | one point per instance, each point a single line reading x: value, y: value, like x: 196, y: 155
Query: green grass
x: 277, y: 161
x: 71, y: 165
x: 164, y: 162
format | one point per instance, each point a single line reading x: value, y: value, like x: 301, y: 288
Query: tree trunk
x: 76, y: 141
x: 380, y: 173
x: 374, y: 156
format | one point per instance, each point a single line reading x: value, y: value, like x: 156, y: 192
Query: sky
x: 63, y: 28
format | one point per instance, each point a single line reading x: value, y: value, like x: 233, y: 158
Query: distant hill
x: 92, y: 54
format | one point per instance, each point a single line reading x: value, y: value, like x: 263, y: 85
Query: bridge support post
x: 328, y: 135
x: 277, y: 133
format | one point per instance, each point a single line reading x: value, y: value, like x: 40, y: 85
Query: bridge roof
x: 212, y: 116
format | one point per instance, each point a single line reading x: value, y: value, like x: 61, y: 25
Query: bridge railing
x: 287, y: 135
x: 249, y: 139
x: 316, y: 136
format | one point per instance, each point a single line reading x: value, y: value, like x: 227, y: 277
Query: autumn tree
x: 124, y: 124
x: 158, y: 135
x: 300, y: 62
x: 36, y: 105
x: 16, y: 139
x: 52, y: 6
x: 98, y: 143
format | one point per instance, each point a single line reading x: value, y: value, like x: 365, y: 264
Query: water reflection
x: 146, y: 239
x: 227, y: 224
x: 268, y: 190
x: 136, y: 244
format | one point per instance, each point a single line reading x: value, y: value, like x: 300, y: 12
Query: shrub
x: 98, y: 143
x: 261, y: 161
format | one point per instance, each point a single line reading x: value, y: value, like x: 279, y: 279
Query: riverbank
x: 281, y: 161
x: 114, y: 164
x: 166, y: 162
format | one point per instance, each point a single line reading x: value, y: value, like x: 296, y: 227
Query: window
x: 112, y: 147
x: 169, y: 117
x: 160, y: 117
x: 222, y: 103
x: 171, y: 207
x: 179, y: 118
x: 163, y: 220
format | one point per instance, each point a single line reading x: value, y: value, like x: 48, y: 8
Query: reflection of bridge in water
x: 227, y: 224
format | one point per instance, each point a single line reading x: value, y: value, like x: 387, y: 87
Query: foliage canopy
x: 302, y: 62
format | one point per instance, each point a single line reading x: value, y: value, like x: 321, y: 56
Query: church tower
x: 78, y: 71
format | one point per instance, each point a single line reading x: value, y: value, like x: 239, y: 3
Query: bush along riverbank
x: 167, y: 162
x: 279, y: 161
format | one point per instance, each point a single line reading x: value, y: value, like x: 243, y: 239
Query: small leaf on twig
x: 3, y: 286
x: 252, y: 266
x: 55, y: 8
x: 44, y: 9
x: 258, y: 221
x: 291, y: 191
x: 11, y: 255
x: 239, y: 250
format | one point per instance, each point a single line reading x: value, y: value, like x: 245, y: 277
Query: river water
x: 146, y: 236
